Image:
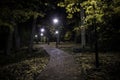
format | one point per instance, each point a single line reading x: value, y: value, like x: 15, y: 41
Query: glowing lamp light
x: 55, y: 20
x: 41, y: 34
x: 42, y: 30
x: 36, y: 36
x: 56, y: 32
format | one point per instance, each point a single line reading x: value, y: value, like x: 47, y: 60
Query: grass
x: 109, y: 64
x: 23, y: 65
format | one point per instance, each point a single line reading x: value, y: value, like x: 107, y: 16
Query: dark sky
x: 55, y: 12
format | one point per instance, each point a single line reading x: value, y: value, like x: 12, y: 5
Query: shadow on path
x: 60, y: 67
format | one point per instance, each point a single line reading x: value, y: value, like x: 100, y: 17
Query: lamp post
x: 42, y: 31
x: 57, y: 35
x: 36, y: 36
x: 55, y: 21
x: 41, y: 34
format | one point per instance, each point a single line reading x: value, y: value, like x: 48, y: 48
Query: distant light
x: 55, y: 20
x: 41, y: 34
x: 42, y: 30
x: 36, y: 36
x: 56, y: 32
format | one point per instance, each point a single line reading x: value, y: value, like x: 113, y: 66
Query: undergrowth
x: 23, y: 65
x: 109, y: 65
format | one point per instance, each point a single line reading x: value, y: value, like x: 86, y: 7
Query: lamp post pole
x: 42, y: 31
x: 57, y: 36
x: 55, y: 21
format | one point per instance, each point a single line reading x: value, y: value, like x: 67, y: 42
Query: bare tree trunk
x: 30, y: 47
x: 9, y: 43
x: 76, y: 38
x: 83, y: 38
x: 17, y: 38
x: 96, y: 41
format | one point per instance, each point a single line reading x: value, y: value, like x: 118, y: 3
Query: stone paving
x: 60, y: 67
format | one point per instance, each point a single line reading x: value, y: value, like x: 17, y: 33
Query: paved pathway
x: 60, y: 67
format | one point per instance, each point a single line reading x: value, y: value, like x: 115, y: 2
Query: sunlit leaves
x: 71, y: 6
x: 61, y: 4
x: 68, y: 35
x: 69, y: 16
x: 94, y: 10
x: 77, y: 28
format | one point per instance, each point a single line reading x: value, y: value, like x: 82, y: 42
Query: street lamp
x: 41, y: 34
x: 36, y: 36
x: 42, y: 31
x: 57, y: 35
x: 57, y: 32
x: 55, y: 21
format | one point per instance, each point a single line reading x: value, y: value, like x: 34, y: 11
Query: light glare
x: 42, y: 30
x: 41, y: 34
x: 56, y: 32
x: 36, y: 36
x: 55, y: 20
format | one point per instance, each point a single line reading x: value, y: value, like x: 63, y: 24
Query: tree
x: 18, y: 12
x: 74, y: 8
x: 93, y: 15
x: 109, y: 31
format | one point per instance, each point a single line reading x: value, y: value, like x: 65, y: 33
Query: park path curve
x: 60, y: 67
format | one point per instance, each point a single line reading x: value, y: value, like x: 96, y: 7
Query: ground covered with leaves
x: 22, y: 65
x: 109, y: 64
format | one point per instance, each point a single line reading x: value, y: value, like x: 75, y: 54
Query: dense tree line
x: 101, y: 14
x: 18, y: 21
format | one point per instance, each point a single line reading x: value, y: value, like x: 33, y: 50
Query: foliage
x: 94, y: 10
x: 18, y: 11
x: 105, y: 72
x: 23, y: 65
x: 102, y: 14
x: 9, y: 25
x: 110, y: 30
x: 71, y: 6
x: 68, y: 35
x: 109, y: 64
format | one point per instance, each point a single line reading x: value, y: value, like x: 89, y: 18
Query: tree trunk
x: 30, y: 47
x: 83, y: 40
x: 75, y: 38
x: 96, y: 41
x: 17, y: 38
x: 9, y: 42
x: 48, y: 41
x: 96, y: 47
